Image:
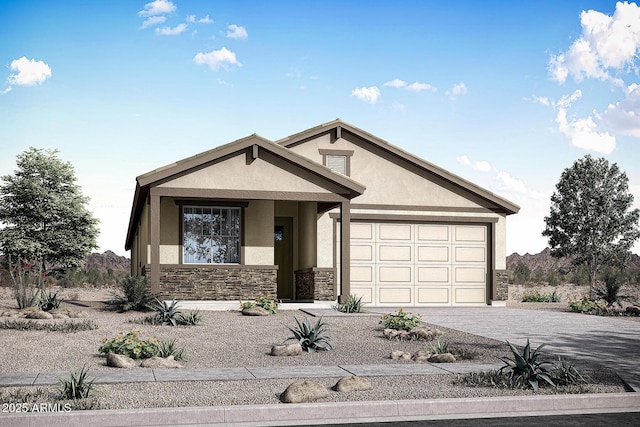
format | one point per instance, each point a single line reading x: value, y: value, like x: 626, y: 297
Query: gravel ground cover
x: 229, y: 339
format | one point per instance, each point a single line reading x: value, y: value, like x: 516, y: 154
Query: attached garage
x: 414, y: 264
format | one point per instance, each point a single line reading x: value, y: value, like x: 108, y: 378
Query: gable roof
x: 339, y: 126
x: 349, y: 187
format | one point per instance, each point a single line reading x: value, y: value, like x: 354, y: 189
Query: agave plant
x: 167, y: 314
x: 525, y: 368
x: 353, y: 304
x: 77, y: 387
x: 311, y: 338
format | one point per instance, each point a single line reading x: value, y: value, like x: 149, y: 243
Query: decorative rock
x: 352, y: 383
x: 160, y: 362
x: 393, y: 333
x: 294, y: 349
x: 39, y: 315
x: 422, y: 332
x: 255, y: 311
x: 421, y: 356
x: 633, y: 310
x: 304, y: 391
x: 78, y: 314
x: 400, y: 355
x: 120, y: 361
x: 442, y: 358
x: 60, y: 315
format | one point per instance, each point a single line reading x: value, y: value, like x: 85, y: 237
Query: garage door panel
x: 438, y: 233
x: 395, y: 295
x: 395, y: 232
x: 468, y: 295
x: 470, y: 254
x: 362, y: 273
x: 388, y: 274
x: 361, y: 231
x: 469, y: 275
x: 361, y: 253
x: 433, y: 274
x: 365, y: 293
x: 433, y: 295
x: 394, y: 253
x: 470, y: 233
x: 438, y: 254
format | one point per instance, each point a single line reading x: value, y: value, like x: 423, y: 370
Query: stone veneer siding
x: 315, y: 284
x: 501, y: 285
x: 220, y: 283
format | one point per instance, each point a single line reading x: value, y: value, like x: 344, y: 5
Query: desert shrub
x: 439, y: 347
x: 353, y: 304
x: 401, y: 320
x: 169, y: 348
x: 27, y: 325
x: 521, y: 274
x: 136, y: 294
x: 192, y: 318
x: 525, y: 369
x: 26, y: 280
x: 166, y: 314
x: 49, y: 301
x: 609, y: 289
x: 541, y: 297
x: 587, y: 305
x: 76, y: 387
x: 130, y: 345
x: 311, y: 338
x: 269, y: 304
x: 247, y: 304
x: 565, y: 373
x: 494, y: 378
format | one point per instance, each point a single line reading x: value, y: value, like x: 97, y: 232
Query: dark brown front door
x: 283, y: 255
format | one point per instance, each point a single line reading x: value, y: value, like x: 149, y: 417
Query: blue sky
x: 505, y: 94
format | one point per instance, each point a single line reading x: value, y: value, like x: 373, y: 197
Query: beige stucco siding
x: 500, y: 243
x: 325, y: 241
x: 258, y: 233
x: 389, y: 180
x: 267, y: 173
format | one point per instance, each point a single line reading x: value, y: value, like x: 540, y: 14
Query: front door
x: 283, y: 256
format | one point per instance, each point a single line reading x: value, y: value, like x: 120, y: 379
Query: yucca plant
x: 525, y: 368
x: 49, y: 301
x: 353, y: 304
x: 440, y: 347
x: 166, y: 314
x: 311, y: 338
x: 192, y: 319
x: 169, y: 348
x: 77, y: 387
x: 567, y: 374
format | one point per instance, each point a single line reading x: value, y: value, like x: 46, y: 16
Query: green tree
x: 44, y: 213
x: 521, y: 274
x: 591, y: 219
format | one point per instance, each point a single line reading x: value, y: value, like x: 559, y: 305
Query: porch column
x: 345, y: 251
x: 155, y: 242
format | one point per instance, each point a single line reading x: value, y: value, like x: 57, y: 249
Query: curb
x: 338, y: 412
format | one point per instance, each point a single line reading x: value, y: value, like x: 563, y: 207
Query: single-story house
x: 317, y: 216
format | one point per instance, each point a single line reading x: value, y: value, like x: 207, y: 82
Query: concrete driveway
x: 613, y: 342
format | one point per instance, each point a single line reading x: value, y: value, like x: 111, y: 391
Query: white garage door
x: 419, y: 264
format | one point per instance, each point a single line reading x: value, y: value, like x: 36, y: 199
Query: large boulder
x: 39, y: 315
x: 294, y: 349
x: 395, y: 333
x: 120, y: 361
x: 255, y: 311
x: 442, y: 358
x: 400, y: 355
x: 160, y: 362
x: 421, y: 356
x: 304, y: 391
x: 352, y: 383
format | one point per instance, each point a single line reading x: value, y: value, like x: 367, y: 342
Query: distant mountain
x: 107, y: 260
x: 545, y: 262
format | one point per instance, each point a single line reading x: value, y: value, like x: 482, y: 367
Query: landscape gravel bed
x: 229, y: 339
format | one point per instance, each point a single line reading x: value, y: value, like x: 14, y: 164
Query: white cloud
x: 194, y: 20
x: 398, y: 106
x: 463, y: 160
x: 583, y: 133
x: 541, y: 100
x: 417, y: 87
x: 395, y: 83
x: 624, y: 116
x: 458, y: 89
x: 168, y: 31
x: 510, y: 184
x: 606, y: 42
x: 236, y: 32
x: 566, y: 100
x: 28, y: 72
x: 482, y: 166
x: 157, y: 7
x: 153, y: 20
x: 367, y: 94
x: 7, y: 90
x: 217, y: 58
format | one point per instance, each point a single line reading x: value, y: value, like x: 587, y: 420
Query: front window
x: 211, y: 235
